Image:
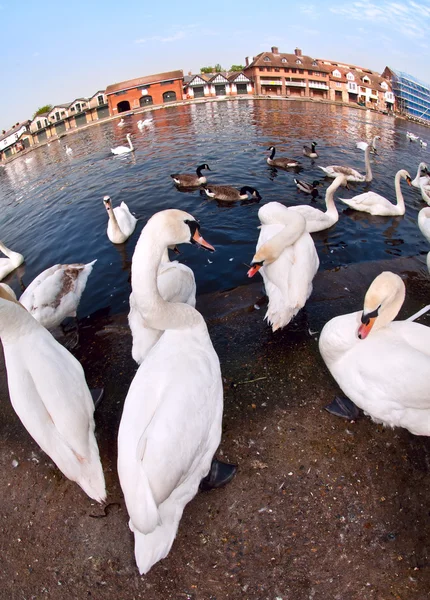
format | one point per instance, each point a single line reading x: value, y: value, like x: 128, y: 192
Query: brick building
x: 292, y: 75
x: 145, y: 91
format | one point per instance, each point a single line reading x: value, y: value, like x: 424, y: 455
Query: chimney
x: 275, y: 50
x: 190, y: 73
x: 297, y: 52
x: 247, y: 61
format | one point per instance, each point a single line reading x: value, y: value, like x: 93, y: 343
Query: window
x: 277, y: 70
x: 337, y: 73
x: 167, y: 82
x: 57, y: 116
x: 144, y: 87
x: 100, y: 99
x: 261, y: 68
x: 62, y: 113
x: 301, y: 71
x: 338, y: 84
x: 298, y: 61
x: 72, y: 109
x: 293, y: 70
x: 284, y: 60
x: 39, y: 125
x: 384, y: 85
x: 314, y: 63
x: 366, y: 79
x: 350, y: 76
x: 266, y: 59
x: 120, y: 93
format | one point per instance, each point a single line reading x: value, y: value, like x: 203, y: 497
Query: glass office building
x: 412, y: 95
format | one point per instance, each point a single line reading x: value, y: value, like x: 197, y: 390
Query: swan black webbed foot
x: 343, y: 407
x: 219, y: 475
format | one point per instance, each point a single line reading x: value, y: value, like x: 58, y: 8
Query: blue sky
x: 55, y: 52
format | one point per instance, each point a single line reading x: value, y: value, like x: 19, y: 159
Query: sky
x: 55, y: 52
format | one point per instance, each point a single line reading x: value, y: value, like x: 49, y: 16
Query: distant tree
x: 237, y: 68
x: 218, y: 68
x: 42, y: 109
x: 207, y: 70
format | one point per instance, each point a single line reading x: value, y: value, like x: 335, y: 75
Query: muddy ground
x: 321, y: 508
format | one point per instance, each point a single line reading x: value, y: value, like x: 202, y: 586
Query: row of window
x: 298, y: 61
x: 286, y: 70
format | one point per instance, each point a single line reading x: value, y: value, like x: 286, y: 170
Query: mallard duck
x: 189, y: 180
x: 282, y: 163
x: 228, y: 193
x: 310, y: 152
x: 308, y: 188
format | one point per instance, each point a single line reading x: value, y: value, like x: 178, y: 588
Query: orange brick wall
x: 133, y: 96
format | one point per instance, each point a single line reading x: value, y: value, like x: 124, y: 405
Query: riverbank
x: 320, y: 508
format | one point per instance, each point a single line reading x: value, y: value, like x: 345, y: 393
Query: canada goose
x: 308, y: 188
x: 188, y: 180
x: 310, y: 152
x: 228, y: 193
x: 282, y: 163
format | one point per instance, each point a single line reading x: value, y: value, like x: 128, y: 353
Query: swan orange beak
x: 201, y: 242
x: 253, y: 270
x: 364, y: 329
x: 409, y: 180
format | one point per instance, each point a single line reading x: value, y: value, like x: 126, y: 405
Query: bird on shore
x: 227, y: 193
x: 9, y: 264
x: 190, y: 180
x: 308, y: 188
x: 283, y: 162
x: 121, y: 222
x: 375, y: 204
x: 48, y: 391
x: 382, y: 365
x: 352, y: 174
x: 56, y: 292
x: 172, y: 418
x: 318, y: 220
x: 310, y: 152
x: 124, y: 149
x: 287, y: 260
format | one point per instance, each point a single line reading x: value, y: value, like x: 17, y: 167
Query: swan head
x: 405, y: 175
x: 178, y: 227
x: 382, y: 302
x: 107, y: 202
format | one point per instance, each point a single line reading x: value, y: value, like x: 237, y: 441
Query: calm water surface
x: 52, y: 210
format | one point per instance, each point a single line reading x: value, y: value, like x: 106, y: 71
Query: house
x: 217, y: 84
x: 57, y: 116
x: 15, y: 140
x: 350, y: 83
x: 158, y: 89
x: 98, y: 106
x: 412, y: 95
x: 291, y: 75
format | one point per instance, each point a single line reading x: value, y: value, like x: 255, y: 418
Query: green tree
x: 42, y: 109
x: 207, y: 70
x: 218, y: 68
x: 237, y: 68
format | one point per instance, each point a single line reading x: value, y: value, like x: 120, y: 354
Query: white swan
x: 69, y: 150
x: 142, y: 123
x: 121, y: 222
x: 124, y: 149
x: 7, y: 265
x: 373, y: 149
x: 288, y: 262
x: 375, y: 204
x: 425, y: 192
x: 171, y: 422
x: 48, y: 391
x: 317, y: 220
x: 424, y: 225
x: 121, y: 123
x: 382, y: 365
x: 423, y: 144
x: 352, y: 174
x: 55, y: 293
x: 422, y: 177
x: 412, y: 137
x: 176, y: 283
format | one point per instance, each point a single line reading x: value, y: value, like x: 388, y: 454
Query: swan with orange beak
x: 382, y: 365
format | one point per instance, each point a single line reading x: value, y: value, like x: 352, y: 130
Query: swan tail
x: 91, y: 478
x: 152, y: 547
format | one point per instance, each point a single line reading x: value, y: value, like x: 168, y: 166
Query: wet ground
x: 320, y: 508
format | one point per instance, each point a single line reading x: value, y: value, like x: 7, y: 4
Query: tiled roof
x: 208, y: 77
x: 359, y: 72
x: 133, y: 83
x: 14, y: 130
x: 281, y: 59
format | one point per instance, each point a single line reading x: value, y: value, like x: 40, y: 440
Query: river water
x: 52, y: 210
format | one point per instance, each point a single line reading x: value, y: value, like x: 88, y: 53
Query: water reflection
x: 52, y: 210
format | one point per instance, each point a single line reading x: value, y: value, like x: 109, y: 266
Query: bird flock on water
x: 172, y: 415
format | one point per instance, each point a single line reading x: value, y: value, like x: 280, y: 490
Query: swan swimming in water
x: 382, y: 365
x: 121, y: 222
x: 124, y: 149
x: 352, y: 174
x: 9, y: 264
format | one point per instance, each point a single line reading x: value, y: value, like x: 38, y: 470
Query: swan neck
x: 399, y: 195
x: 329, y: 195
x: 369, y: 175
x: 5, y: 250
x: 130, y: 144
x: 15, y: 321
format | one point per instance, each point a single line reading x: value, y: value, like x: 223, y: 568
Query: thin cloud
x: 179, y: 35
x: 310, y: 10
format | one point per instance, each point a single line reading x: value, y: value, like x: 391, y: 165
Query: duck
x: 282, y: 163
x: 124, y: 149
x: 48, y: 392
x: 422, y: 177
x: 142, y: 123
x: 172, y: 417
x: 352, y: 174
x: 424, y: 225
x: 375, y: 204
x: 288, y: 261
x: 56, y: 292
x: 227, y: 193
x: 317, y: 220
x: 373, y: 149
x: 310, y: 152
x: 425, y: 192
x: 412, y: 137
x: 121, y: 222
x: 69, y: 150
x: 189, y: 180
x: 9, y: 264
x: 308, y: 188
x: 423, y: 144
x: 382, y: 365
x: 121, y: 123
x: 176, y: 283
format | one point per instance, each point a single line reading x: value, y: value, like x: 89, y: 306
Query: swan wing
x: 126, y: 221
x: 176, y: 283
